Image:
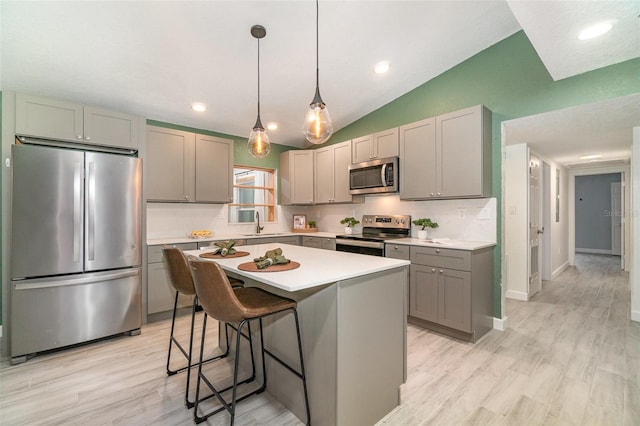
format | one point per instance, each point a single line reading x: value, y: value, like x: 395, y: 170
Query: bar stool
x: 182, y: 281
x: 238, y: 305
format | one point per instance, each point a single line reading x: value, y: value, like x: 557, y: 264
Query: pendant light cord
x: 258, y: 79
x: 317, y: 48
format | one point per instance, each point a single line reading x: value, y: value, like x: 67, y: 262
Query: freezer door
x: 48, y: 313
x: 47, y: 211
x: 113, y: 196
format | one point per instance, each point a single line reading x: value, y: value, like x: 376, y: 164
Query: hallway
x: 570, y: 356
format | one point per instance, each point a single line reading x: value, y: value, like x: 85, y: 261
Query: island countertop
x: 317, y: 267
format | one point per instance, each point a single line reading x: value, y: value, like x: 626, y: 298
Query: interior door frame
x: 545, y: 244
x: 625, y: 177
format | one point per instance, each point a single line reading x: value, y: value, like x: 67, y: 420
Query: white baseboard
x: 500, y: 323
x: 593, y: 251
x: 517, y: 295
x: 635, y: 316
x: 560, y: 269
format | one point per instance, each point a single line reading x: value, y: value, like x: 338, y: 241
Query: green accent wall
x: 1, y: 265
x: 510, y: 79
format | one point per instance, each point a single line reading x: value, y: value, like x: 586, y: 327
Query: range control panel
x: 386, y: 221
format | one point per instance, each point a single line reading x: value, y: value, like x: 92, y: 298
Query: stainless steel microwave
x: 374, y: 177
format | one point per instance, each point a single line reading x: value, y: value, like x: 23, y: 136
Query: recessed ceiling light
x: 381, y: 67
x: 272, y: 126
x: 590, y: 157
x: 198, y: 107
x: 595, y: 30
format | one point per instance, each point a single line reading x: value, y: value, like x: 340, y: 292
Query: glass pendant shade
x: 317, y: 127
x: 258, y: 145
x: 317, y: 124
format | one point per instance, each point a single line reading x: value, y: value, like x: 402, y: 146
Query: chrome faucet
x: 258, y: 227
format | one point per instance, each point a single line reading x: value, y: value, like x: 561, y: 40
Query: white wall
x: 473, y: 219
x: 469, y: 219
x: 634, y: 251
x: 559, y: 230
x: 516, y: 221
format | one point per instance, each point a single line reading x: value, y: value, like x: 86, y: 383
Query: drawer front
x: 293, y: 240
x: 441, y: 257
x: 205, y: 244
x: 154, y: 253
x: 397, y: 251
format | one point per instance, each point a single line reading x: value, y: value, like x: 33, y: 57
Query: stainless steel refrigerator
x: 75, y: 246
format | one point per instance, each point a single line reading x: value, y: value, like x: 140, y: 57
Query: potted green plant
x: 312, y: 224
x: 350, y: 222
x: 425, y: 223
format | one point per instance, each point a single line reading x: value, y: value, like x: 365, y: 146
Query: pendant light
x: 258, y: 144
x: 317, y: 124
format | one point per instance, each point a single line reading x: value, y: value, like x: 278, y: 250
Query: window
x: 253, y: 192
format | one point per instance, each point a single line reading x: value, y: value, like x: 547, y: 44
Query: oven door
x: 360, y: 246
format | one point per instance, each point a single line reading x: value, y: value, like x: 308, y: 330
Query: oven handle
x: 359, y: 243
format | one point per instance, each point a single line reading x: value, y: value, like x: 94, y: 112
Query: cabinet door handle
x: 433, y: 270
x: 88, y: 138
x: 79, y: 137
x: 439, y: 193
x: 441, y: 271
x: 432, y: 194
x: 186, y: 197
x: 437, y: 250
x: 395, y: 247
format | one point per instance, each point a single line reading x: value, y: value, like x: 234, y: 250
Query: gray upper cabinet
x: 187, y: 167
x: 448, y: 156
x: 70, y: 121
x: 170, y: 156
x: 331, y: 173
x: 296, y: 177
x: 378, y: 145
x: 214, y: 170
x: 418, y: 159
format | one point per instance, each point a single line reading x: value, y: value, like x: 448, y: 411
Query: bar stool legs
x: 188, y: 354
x: 217, y: 392
x: 231, y: 407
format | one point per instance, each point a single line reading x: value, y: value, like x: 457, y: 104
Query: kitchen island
x: 353, y: 314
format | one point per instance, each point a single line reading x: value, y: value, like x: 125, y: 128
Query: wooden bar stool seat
x: 238, y: 305
x: 182, y: 281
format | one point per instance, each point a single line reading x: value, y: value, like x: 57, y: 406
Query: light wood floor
x: 570, y: 356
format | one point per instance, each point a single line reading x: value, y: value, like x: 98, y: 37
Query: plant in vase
x: 425, y: 223
x: 350, y: 222
x: 312, y: 224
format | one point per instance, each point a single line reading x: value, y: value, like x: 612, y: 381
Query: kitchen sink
x: 263, y: 234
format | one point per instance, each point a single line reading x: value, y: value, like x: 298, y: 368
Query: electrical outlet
x: 462, y: 213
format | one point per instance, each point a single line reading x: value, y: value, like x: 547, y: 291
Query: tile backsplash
x: 465, y: 219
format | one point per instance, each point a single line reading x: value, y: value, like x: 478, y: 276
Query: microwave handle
x: 383, y: 175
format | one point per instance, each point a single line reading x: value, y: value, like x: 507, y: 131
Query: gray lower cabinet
x: 397, y: 251
x: 319, y: 242
x: 160, y: 293
x: 292, y: 239
x: 451, y: 291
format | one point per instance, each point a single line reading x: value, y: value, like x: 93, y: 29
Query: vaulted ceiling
x: 155, y: 58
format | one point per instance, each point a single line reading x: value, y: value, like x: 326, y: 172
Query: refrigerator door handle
x: 26, y: 285
x: 77, y: 211
x: 91, y: 211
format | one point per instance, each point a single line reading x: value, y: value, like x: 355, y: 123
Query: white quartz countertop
x: 231, y: 236
x: 444, y: 243
x: 317, y: 267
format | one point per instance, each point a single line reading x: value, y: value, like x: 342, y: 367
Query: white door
x: 535, y: 224
x: 616, y: 219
